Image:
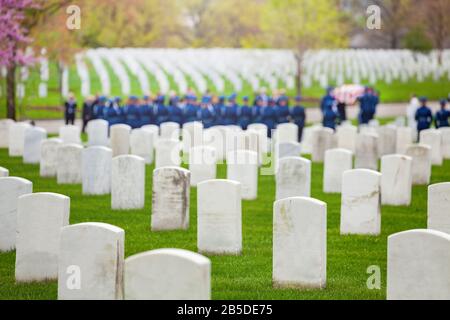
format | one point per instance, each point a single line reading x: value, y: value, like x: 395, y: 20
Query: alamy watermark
x: 73, y: 21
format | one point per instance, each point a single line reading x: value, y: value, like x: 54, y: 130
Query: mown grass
x: 248, y: 276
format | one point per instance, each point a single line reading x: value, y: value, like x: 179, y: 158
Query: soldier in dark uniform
x: 114, y: 113
x: 161, y: 111
x: 269, y: 116
x: 88, y: 109
x: 282, y: 110
x: 70, y: 109
x: 442, y: 116
x: 298, y: 115
x: 190, y: 112
x: 257, y: 110
x: 424, y: 116
x: 146, y: 112
x: 229, y: 112
x: 206, y: 113
x: 328, y: 100
x: 132, y: 113
x: 366, y: 103
x: 218, y: 110
x: 244, y: 114
x: 175, y: 112
x: 99, y: 108
x: 329, y: 118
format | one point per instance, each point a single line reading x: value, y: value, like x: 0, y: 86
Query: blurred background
x: 301, y: 46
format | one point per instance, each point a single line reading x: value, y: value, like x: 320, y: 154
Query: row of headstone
x: 88, y: 259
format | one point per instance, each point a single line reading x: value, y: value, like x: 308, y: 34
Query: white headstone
x: 215, y: 138
x: 170, y: 199
x: 97, y: 131
x: 307, y: 139
x: 49, y: 157
x: 396, y: 180
x: 154, y: 129
x: 70, y: 134
x: 366, y: 156
x: 404, y: 139
x: 439, y: 207
x: 346, y: 136
x: 32, y: 145
x: 261, y: 130
x: 421, y: 167
x: 120, y: 139
x: 202, y: 164
x: 4, y: 172
x: 40, y: 219
x: 288, y: 149
x: 387, y: 142
x: 168, y: 274
x: 96, y: 170
x: 445, y: 132
x: 128, y: 183
x: 337, y: 161
x: 167, y: 153
x: 141, y: 142
x: 242, y: 166
x: 219, y: 214
x: 248, y: 140
x: 293, y: 178
x: 418, y: 266
x: 96, y: 252
x: 287, y: 132
x: 11, y: 188
x: 17, y: 138
x: 192, y: 135
x: 4, y: 132
x: 68, y: 169
x: 170, y: 131
x: 322, y: 140
x: 360, y: 204
x: 300, y: 243
x: 433, y: 139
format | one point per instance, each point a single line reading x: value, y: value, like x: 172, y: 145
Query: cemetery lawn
x: 244, y: 277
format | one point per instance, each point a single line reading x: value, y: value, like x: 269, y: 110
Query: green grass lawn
x: 244, y: 277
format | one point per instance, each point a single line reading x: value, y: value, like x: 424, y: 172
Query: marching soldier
x: 161, y: 111
x: 70, y: 109
x: 132, y: 113
x: 424, y: 116
x: 244, y: 114
x: 366, y: 102
x: 328, y: 100
x: 257, y: 110
x: 99, y: 108
x: 191, y: 110
x: 88, y: 109
x: 298, y: 115
x: 146, y: 111
x: 206, y: 113
x: 113, y: 113
x: 442, y: 116
x: 282, y: 110
x: 329, y: 118
x: 269, y: 116
x: 229, y: 112
x: 175, y: 112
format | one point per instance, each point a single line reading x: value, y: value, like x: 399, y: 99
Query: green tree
x: 302, y: 25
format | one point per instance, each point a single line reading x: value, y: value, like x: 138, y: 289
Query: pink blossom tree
x: 13, y: 40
